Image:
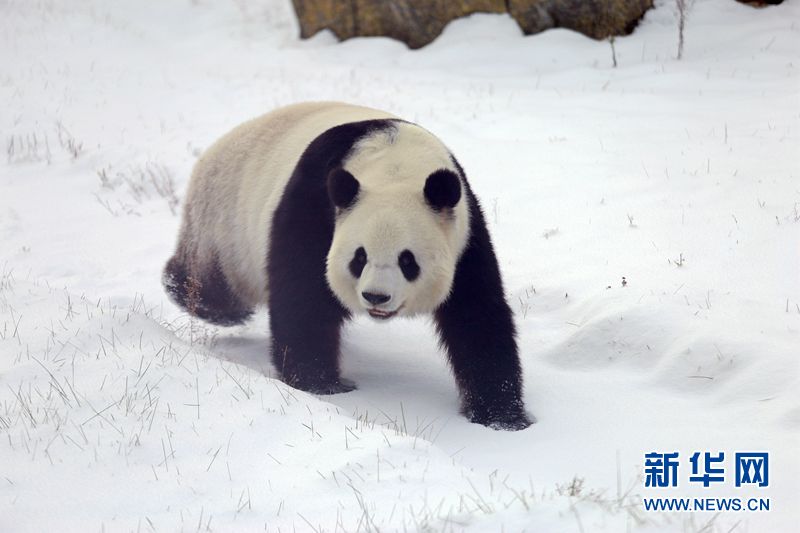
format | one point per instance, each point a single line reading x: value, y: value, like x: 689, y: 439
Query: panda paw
x: 339, y: 386
x: 506, y: 421
x: 514, y: 424
x: 318, y: 384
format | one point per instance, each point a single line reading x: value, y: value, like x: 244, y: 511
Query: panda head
x: 400, y: 229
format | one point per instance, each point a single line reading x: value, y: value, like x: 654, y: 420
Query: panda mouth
x: 380, y: 314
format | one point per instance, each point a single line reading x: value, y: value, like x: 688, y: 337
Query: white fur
x: 237, y: 185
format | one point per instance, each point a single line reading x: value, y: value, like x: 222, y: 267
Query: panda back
x: 237, y: 185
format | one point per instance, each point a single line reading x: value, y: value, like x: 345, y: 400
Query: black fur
x: 358, y: 262
x: 408, y: 265
x: 206, y: 295
x: 342, y: 188
x: 305, y: 316
x: 442, y: 189
x: 476, y: 328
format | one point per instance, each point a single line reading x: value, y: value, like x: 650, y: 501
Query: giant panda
x: 326, y: 210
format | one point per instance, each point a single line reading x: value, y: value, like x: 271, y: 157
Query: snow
x: 118, y: 412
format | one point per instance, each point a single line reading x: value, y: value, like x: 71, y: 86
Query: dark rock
x: 414, y: 22
x: 418, y: 22
x: 598, y: 19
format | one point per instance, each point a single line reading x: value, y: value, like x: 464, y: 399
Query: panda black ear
x: 342, y: 188
x: 442, y: 189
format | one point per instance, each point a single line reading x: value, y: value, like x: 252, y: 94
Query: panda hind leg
x: 204, y: 292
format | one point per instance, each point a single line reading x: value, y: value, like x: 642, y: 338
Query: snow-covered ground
x: 119, y: 413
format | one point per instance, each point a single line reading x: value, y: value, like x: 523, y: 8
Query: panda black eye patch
x: 408, y: 265
x: 358, y: 262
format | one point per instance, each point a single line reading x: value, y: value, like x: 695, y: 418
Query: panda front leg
x: 478, y: 336
x: 476, y: 328
x: 305, y: 349
x: 484, y: 360
x: 306, y: 321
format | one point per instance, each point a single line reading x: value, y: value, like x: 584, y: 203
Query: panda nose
x: 376, y: 299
